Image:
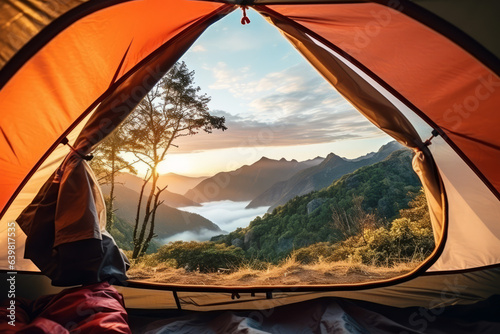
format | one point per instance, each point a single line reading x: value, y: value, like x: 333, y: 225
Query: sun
x: 176, y: 163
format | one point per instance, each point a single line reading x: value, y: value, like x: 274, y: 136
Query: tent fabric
x: 469, y: 24
x: 30, y: 190
x: 427, y: 291
x: 24, y: 19
x: 78, y: 221
x: 94, y: 308
x: 101, y: 302
x: 462, y: 13
x: 328, y: 315
x: 177, y: 35
x: 473, y: 236
x: 73, y: 199
x: 94, y: 68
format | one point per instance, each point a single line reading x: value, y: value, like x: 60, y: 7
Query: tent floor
x: 326, y: 315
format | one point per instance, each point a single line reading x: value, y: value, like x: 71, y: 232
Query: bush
x: 404, y: 241
x: 314, y: 252
x: 379, y: 240
x: 149, y: 260
x: 409, y: 238
x: 203, y: 256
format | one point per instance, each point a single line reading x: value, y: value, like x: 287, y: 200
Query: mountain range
x: 172, y: 199
x: 247, y: 182
x: 179, y: 184
x: 317, y: 177
x: 267, y: 182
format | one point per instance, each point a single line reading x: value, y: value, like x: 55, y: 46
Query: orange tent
x: 72, y: 71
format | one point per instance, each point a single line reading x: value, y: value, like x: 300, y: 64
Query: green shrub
x: 314, y: 252
x: 403, y: 241
x: 379, y: 240
x: 203, y: 256
x: 149, y: 260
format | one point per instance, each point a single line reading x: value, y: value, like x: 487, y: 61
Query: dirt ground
x: 287, y: 274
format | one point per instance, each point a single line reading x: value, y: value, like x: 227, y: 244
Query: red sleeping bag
x: 96, y: 308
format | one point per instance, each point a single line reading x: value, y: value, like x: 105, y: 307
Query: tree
x: 418, y: 210
x: 107, y: 163
x: 172, y: 109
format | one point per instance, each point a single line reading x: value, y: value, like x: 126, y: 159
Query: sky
x: 275, y: 103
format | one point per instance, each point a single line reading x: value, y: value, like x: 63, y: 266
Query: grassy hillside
x: 288, y: 272
x: 383, y: 189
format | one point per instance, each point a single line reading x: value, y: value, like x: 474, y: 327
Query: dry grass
x: 289, y: 272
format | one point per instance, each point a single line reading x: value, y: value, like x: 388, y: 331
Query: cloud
x: 228, y: 215
x: 292, y: 130
x: 239, y: 39
x: 297, y: 90
x: 240, y: 83
x: 232, y: 80
x: 295, y: 106
x: 198, y: 48
x: 202, y: 235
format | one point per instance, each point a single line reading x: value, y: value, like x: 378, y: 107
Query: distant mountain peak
x: 366, y: 156
x: 392, y: 145
x: 332, y: 156
x: 389, y: 147
x: 248, y: 181
x: 318, y: 176
x: 269, y: 160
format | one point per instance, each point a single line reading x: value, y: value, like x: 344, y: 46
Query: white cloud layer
x: 202, y: 235
x: 228, y: 215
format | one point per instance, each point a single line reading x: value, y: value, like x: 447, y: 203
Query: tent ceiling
x: 477, y: 19
x: 76, y: 70
x: 21, y: 20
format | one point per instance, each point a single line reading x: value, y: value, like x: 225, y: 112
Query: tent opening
x: 266, y: 175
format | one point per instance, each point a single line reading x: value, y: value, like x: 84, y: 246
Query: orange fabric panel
x: 445, y: 82
x: 61, y: 81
